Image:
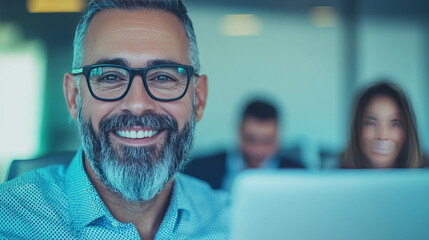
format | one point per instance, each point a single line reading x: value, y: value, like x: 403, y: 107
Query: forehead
x: 382, y: 106
x: 136, y: 35
x: 263, y: 127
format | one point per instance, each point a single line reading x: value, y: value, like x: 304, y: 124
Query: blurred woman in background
x: 383, y: 131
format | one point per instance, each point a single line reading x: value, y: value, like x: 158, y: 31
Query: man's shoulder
x: 220, y: 155
x: 34, y: 182
x: 208, y: 161
x: 202, y: 191
x: 33, y: 198
x: 210, y: 168
x: 289, y: 163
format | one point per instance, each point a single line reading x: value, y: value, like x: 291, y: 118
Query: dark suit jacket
x: 212, y: 169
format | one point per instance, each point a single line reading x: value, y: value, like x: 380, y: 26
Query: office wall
x: 302, y: 66
x: 291, y: 61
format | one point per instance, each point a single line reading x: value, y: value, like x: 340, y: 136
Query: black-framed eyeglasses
x: 108, y: 82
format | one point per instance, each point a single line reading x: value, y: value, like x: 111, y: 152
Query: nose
x: 137, y: 101
x: 382, y: 133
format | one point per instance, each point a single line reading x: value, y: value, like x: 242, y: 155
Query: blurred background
x: 308, y: 56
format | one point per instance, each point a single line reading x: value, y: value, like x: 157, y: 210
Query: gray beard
x: 137, y: 174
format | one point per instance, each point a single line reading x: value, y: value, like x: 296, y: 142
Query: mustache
x: 156, y: 121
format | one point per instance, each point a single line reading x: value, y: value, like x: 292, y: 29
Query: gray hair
x: 175, y: 7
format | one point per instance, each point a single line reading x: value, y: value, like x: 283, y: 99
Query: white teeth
x: 121, y: 133
x: 133, y: 134
x: 140, y: 134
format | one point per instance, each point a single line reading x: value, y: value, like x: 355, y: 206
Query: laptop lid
x: 341, y: 204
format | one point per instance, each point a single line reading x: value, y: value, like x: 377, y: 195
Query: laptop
x: 331, y: 205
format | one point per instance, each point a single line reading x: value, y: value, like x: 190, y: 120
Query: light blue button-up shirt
x: 59, y: 203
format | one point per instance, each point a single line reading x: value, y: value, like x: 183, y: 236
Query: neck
x: 145, y: 216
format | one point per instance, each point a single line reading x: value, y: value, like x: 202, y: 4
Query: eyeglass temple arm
x: 77, y: 71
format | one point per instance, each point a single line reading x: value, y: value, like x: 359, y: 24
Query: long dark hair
x: 410, y: 155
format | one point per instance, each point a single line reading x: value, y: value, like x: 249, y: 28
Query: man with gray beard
x: 136, y: 94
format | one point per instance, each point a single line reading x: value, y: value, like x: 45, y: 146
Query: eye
x: 396, y: 125
x: 111, y: 77
x: 162, y: 78
x: 370, y: 123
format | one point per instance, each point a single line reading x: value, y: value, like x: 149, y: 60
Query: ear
x: 71, y: 93
x: 201, y: 95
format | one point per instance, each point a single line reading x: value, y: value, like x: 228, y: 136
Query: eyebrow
x: 374, y: 118
x: 114, y: 61
x: 160, y: 62
x: 125, y: 63
x: 371, y: 117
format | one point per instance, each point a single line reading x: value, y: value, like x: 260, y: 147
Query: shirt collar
x: 85, y: 203
x: 183, y: 201
x: 178, y: 211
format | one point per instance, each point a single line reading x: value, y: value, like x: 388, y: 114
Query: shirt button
x: 115, y: 224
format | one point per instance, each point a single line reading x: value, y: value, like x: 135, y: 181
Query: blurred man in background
x: 258, y: 148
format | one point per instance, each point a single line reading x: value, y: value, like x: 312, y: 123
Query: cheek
x: 266, y: 150
x: 95, y: 110
x: 399, y: 138
x: 246, y: 147
x: 367, y: 135
x: 269, y: 148
x: 181, y: 110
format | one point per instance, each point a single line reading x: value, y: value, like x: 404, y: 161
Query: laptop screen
x: 340, y: 204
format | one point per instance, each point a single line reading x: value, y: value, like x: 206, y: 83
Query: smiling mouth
x: 381, y: 151
x: 136, y: 134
